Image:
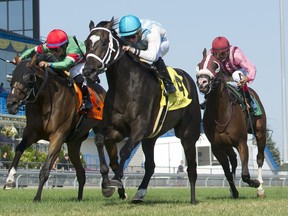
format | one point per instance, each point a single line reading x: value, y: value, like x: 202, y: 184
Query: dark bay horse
x: 51, y: 114
x: 226, y: 125
x: 132, y: 104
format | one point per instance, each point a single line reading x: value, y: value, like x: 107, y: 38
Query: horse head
x: 23, y: 83
x: 207, y: 71
x: 102, y: 48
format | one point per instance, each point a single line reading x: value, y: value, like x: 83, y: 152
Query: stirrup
x: 87, y: 105
x: 170, y: 88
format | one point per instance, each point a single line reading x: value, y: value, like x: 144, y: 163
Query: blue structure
x: 3, y: 109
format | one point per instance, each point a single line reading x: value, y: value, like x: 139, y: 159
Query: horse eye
x: 29, y: 79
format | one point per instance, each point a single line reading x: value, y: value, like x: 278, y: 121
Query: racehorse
x: 226, y: 125
x: 51, y: 114
x: 132, y: 105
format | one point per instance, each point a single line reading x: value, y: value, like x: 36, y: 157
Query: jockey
x: 234, y: 63
x: 148, y: 40
x: 70, y: 56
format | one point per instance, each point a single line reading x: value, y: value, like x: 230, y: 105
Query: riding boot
x: 87, y: 104
x: 162, y: 69
x: 251, y: 102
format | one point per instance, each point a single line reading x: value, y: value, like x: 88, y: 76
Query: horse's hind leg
x: 223, y: 160
x: 261, y: 142
x: 244, y: 155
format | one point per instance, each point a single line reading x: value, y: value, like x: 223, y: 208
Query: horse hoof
x: 124, y: 197
x: 9, y: 185
x: 108, y: 192
x: 139, y: 196
x: 137, y: 200
x: 261, y: 194
x: 35, y: 200
x: 115, y: 184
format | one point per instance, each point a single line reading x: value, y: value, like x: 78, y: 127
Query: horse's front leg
x: 148, y: 150
x: 20, y: 148
x: 54, y: 149
x: 223, y: 160
x: 125, y: 152
x: 104, y: 169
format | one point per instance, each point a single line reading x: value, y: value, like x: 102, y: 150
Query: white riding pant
x: 76, y: 70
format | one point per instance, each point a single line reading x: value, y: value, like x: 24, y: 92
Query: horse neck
x: 125, y: 72
x: 219, y: 99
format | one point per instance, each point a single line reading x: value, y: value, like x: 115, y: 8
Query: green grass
x: 158, y: 201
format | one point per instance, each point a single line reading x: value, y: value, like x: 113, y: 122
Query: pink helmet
x: 56, y: 38
x: 220, y: 44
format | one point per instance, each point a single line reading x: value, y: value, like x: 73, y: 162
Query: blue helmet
x: 129, y: 25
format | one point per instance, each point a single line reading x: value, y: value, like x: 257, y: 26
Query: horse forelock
x: 206, y: 67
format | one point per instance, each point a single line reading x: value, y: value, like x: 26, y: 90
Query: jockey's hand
x: 244, y: 80
x: 44, y: 64
x: 128, y: 48
x: 16, y: 60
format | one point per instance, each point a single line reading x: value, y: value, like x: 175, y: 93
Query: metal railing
x: 29, y: 178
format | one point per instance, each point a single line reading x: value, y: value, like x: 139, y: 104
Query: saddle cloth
x: 241, y: 101
x: 97, y: 109
x: 179, y: 99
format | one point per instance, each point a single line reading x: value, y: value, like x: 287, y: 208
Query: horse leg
x: 244, y: 155
x: 104, y: 169
x: 261, y: 142
x: 148, y: 150
x: 189, y: 144
x: 54, y: 148
x: 125, y: 153
x: 20, y: 148
x: 233, y: 161
x: 74, y: 156
x: 223, y: 160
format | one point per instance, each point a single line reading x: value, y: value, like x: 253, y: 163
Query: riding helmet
x: 220, y: 44
x: 129, y: 25
x: 56, y: 38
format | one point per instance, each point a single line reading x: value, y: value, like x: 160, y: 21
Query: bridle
x: 35, y: 91
x: 107, y: 59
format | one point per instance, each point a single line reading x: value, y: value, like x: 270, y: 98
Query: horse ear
x: 110, y: 23
x: 204, y: 52
x: 91, y: 25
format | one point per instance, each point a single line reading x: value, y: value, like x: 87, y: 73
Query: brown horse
x: 226, y: 125
x: 51, y: 113
x: 132, y: 105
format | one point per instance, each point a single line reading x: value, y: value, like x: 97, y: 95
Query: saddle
x: 238, y: 98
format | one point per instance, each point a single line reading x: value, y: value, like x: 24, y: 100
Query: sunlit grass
x: 158, y: 201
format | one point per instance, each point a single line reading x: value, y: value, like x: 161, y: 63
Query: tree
x: 271, y: 146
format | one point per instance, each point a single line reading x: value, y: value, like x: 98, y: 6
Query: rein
x: 107, y: 57
x: 33, y: 91
x: 212, y: 86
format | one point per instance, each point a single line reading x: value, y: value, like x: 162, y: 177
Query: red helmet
x: 56, y: 38
x: 220, y: 44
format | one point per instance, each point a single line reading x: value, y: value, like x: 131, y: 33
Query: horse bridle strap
x: 107, y: 57
x: 36, y: 95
